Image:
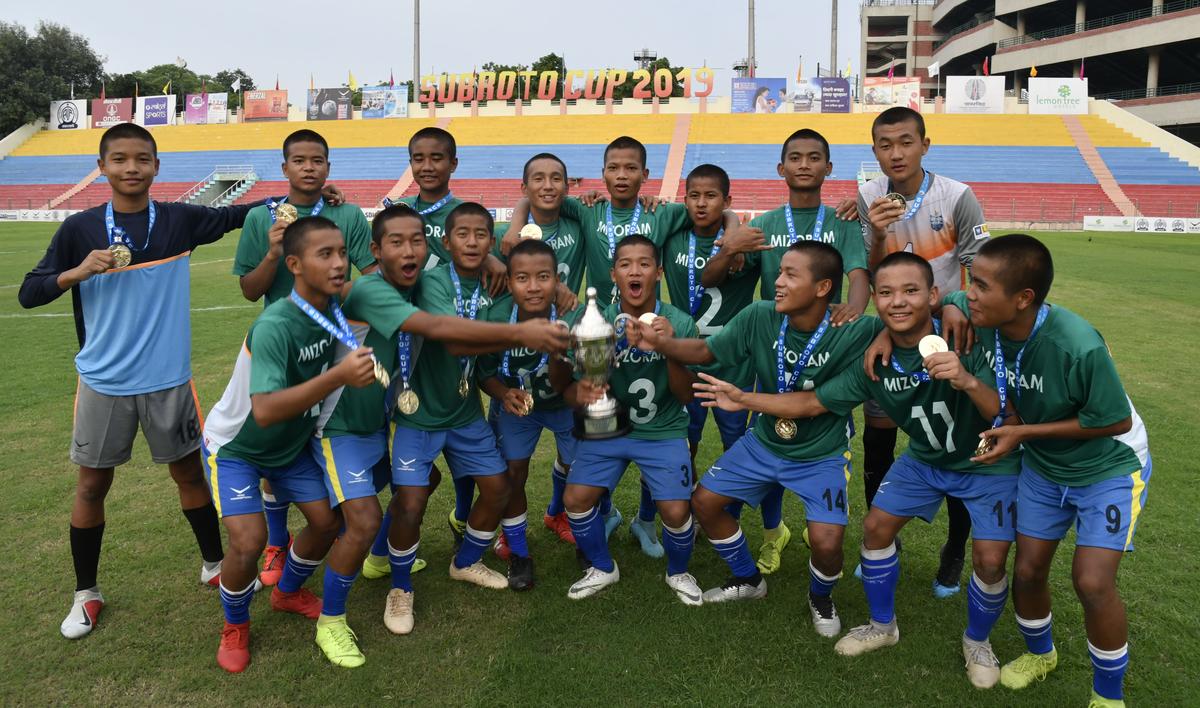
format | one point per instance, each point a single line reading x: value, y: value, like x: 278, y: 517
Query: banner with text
x: 201, y: 108
x: 755, y: 95
x: 154, y: 111
x: 265, y: 105
x: 330, y: 104
x: 591, y: 84
x: 385, y: 101
x: 835, y: 94
x: 1064, y: 96
x: 880, y: 92
x: 107, y: 112
x: 974, y: 94
x: 68, y: 115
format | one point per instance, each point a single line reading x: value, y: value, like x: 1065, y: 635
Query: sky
x: 329, y: 40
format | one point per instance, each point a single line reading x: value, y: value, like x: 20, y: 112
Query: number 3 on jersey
x: 645, y: 409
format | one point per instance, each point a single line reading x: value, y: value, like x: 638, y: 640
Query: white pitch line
x: 33, y: 315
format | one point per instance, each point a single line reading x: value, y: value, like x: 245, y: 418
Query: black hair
x: 532, y: 247
x: 804, y: 134
x: 438, y: 134
x: 636, y: 240
x: 295, y: 235
x: 304, y: 135
x: 627, y: 143
x: 905, y: 258
x: 899, y: 114
x: 399, y: 210
x: 825, y: 263
x: 707, y: 171
x: 542, y: 156
x: 1025, y: 263
x: 469, y: 209
x: 126, y: 130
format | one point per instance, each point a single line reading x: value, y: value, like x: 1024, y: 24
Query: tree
x: 551, y: 62
x: 223, y: 81
x: 625, y: 90
x: 40, y: 68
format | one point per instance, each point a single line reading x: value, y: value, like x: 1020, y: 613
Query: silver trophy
x: 594, y: 341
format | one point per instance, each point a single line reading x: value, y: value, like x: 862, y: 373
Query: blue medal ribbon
x: 116, y: 234
x: 404, y: 356
x: 921, y: 376
x: 1001, y: 369
x: 619, y: 329
x: 272, y: 205
x: 818, y: 225
x: 436, y: 205
x: 521, y: 375
x: 611, y: 230
x: 695, y: 290
x: 341, y: 331
x: 915, y: 205
x: 467, y: 311
x: 782, y: 382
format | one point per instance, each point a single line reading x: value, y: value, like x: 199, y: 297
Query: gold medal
x: 897, y: 197
x: 648, y: 318
x: 381, y: 374
x: 527, y: 405
x: 286, y: 213
x: 785, y: 428
x: 985, y: 446
x: 932, y: 344
x: 463, y: 387
x: 121, y: 255
x: 531, y: 230
x: 408, y: 402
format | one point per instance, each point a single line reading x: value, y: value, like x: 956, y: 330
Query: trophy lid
x: 592, y: 324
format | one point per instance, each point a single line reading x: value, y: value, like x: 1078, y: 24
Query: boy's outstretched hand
x: 715, y: 393
x: 544, y: 336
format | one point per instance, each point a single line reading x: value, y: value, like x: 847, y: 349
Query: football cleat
x: 868, y: 637
x: 560, y: 526
x: 520, y: 574
x: 1027, y: 668
x: 398, y: 612
x: 770, y: 553
x: 479, y: 574
x: 643, y: 533
x: 274, y: 558
x: 686, y: 588
x: 500, y: 547
x: 983, y: 669
x: 593, y: 581
x: 233, y: 653
x: 1099, y: 701
x: 612, y: 522
x: 339, y: 643
x: 85, y: 610
x: 457, y: 529
x: 375, y: 567
x: 737, y: 589
x: 949, y: 575
x: 301, y: 602
x: 824, y: 616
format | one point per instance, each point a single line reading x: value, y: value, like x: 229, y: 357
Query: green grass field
x: 635, y: 644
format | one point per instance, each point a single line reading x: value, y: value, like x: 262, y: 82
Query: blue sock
x: 588, y: 528
x: 646, y: 507
x: 772, y: 508
x: 1108, y: 671
x: 475, y: 542
x: 820, y: 584
x: 734, y: 509
x: 337, y: 587
x: 1039, y: 634
x: 558, y: 481
x: 295, y: 571
x: 985, y: 604
x: 514, y: 533
x: 880, y: 573
x: 736, y: 553
x: 605, y: 505
x: 277, y: 520
x: 237, y: 604
x: 678, y: 544
x: 402, y: 563
x: 464, y: 495
x: 380, y: 547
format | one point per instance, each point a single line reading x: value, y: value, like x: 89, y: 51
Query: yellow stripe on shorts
x: 212, y: 482
x: 331, y: 470
x: 1135, y: 506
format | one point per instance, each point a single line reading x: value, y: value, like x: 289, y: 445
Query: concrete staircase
x: 1095, y: 163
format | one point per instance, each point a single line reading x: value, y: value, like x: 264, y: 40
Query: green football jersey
x: 640, y: 382
x: 523, y: 363
x: 283, y: 348
x: 565, y: 236
x: 437, y: 373
x: 435, y: 228
x: 845, y: 236
x: 717, y: 305
x: 666, y: 219
x: 1067, y: 372
x: 943, y: 425
x: 253, y: 244
x: 753, y: 335
x: 376, y: 310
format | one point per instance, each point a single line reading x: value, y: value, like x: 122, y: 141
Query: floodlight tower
x: 750, y: 58
x: 833, y: 57
x: 645, y: 58
x: 416, y: 81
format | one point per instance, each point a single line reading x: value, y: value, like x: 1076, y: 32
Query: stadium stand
x: 1024, y: 168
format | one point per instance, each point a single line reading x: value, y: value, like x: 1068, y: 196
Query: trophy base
x: 605, y: 428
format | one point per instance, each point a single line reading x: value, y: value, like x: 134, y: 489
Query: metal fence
x: 1131, y: 94
x: 1099, y: 23
x: 967, y: 26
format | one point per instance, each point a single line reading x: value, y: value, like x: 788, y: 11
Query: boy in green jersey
x: 791, y: 346
x: 544, y: 186
x: 944, y: 405
x: 260, y: 429
x: 351, y: 440
x: 256, y: 263
x: 1085, y: 463
x: 654, y: 390
x: 522, y: 385
x: 803, y: 164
